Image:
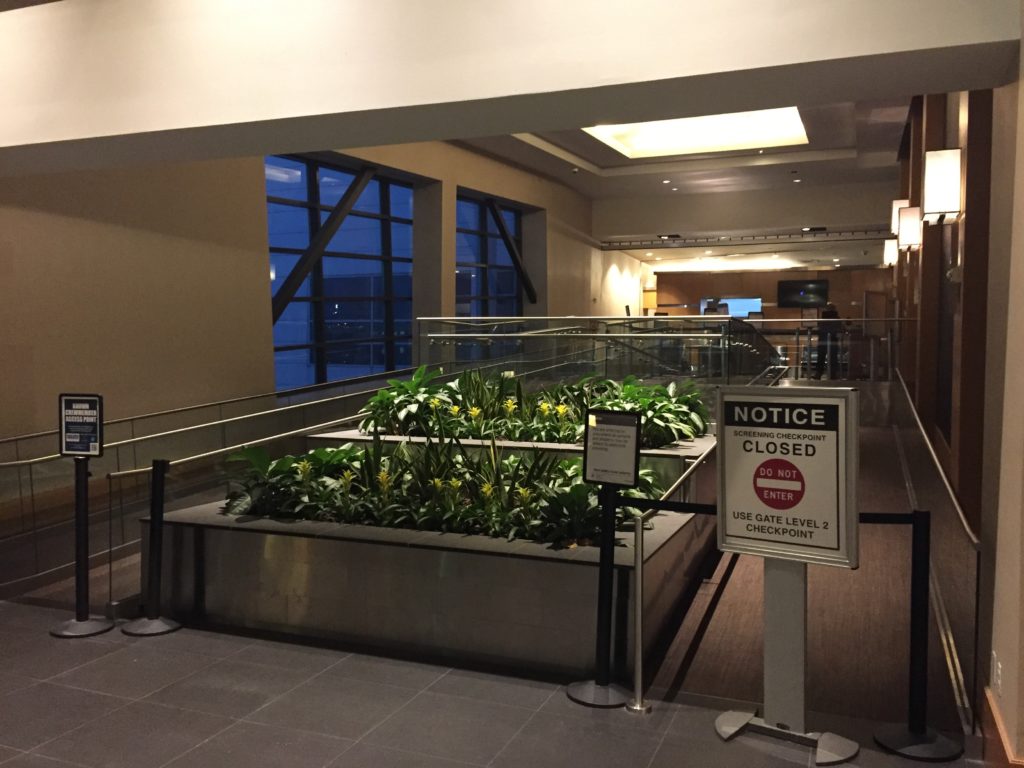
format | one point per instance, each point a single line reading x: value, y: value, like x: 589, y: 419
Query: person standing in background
x: 829, y: 326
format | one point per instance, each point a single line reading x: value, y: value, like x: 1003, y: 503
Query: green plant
x: 405, y: 407
x: 439, y: 486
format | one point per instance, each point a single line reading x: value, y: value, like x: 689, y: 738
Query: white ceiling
x: 849, y: 143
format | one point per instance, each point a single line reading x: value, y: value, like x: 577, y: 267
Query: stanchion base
x: 830, y: 749
x: 148, y: 627
x: 930, y: 746
x: 590, y: 694
x: 74, y: 628
x: 638, y: 707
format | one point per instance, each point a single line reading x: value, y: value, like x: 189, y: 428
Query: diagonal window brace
x: 513, y: 252
x: 319, y: 243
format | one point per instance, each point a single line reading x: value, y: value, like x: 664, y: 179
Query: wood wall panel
x: 846, y: 288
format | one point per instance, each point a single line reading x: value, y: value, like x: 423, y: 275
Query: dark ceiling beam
x: 319, y: 243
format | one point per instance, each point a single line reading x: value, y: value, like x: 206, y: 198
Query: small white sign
x: 787, y: 461
x: 611, y: 448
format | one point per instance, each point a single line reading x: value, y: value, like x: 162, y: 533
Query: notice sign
x: 787, y: 463
x: 611, y: 448
x: 81, y: 425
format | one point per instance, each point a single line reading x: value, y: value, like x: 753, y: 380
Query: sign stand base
x: 930, y: 746
x: 830, y: 749
x: 146, y: 627
x: 591, y: 694
x: 87, y: 628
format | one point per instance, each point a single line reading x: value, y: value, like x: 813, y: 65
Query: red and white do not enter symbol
x: 779, y: 484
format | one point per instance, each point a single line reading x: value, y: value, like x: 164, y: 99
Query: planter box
x: 448, y: 596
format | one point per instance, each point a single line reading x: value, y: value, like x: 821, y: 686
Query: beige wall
x: 150, y: 287
x: 1007, y: 576
x: 571, y: 274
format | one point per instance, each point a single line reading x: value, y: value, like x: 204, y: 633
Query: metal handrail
x: 534, y: 334
x: 238, y: 447
x: 278, y: 393
x: 181, y: 430
x: 975, y: 541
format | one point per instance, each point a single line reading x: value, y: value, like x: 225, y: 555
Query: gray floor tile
x: 552, y: 741
x: 33, y: 715
x: 451, y: 727
x: 871, y: 755
x: 187, y: 640
x: 38, y: 761
x: 365, y: 755
x: 9, y: 682
x: 742, y: 751
x: 29, y: 616
x: 248, y: 745
x: 134, y: 671
x: 658, y: 720
x: 301, y: 658
x: 335, y: 706
x: 7, y: 754
x: 34, y: 653
x: 229, y: 688
x: 140, y: 735
x: 530, y: 694
x: 374, y: 669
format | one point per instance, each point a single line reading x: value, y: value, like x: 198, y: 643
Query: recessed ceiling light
x: 666, y: 181
x: 663, y: 237
x: 836, y: 260
x: 648, y: 254
x: 707, y: 253
x: 675, y: 189
x: 657, y: 258
x: 723, y: 237
x: 805, y: 229
x: 775, y: 255
x: 709, y: 133
x: 797, y: 181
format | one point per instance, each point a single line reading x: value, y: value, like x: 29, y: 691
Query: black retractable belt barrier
x: 599, y: 692
x: 915, y: 740
x: 153, y: 623
x: 83, y: 625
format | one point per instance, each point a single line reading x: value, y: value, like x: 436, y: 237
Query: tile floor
x: 197, y: 699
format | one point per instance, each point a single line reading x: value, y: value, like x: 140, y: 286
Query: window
x: 486, y: 282
x: 353, y: 315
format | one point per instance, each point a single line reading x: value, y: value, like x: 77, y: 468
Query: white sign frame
x: 796, y: 421
x: 617, y: 465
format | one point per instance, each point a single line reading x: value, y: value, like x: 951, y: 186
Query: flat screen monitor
x: 737, y: 306
x: 798, y: 294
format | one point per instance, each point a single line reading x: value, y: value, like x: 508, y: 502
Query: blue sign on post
x: 81, y: 425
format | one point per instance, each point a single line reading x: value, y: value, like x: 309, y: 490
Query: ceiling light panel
x: 731, y: 132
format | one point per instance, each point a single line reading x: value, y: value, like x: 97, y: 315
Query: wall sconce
x: 910, y: 229
x: 941, y: 185
x: 891, y: 253
x: 896, y: 205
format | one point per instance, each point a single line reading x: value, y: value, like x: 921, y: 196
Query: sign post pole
x: 611, y: 457
x: 81, y: 436
x: 787, y: 479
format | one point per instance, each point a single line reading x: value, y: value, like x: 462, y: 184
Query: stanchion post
x: 153, y: 623
x: 83, y: 625
x: 599, y: 692
x: 915, y: 740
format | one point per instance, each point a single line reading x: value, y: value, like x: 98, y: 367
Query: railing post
x: 638, y: 704
x: 152, y: 623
